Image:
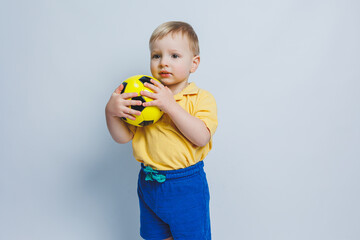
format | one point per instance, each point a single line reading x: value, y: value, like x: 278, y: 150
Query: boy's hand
x: 118, y: 105
x: 162, y: 96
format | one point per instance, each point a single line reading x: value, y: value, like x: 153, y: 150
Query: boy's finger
x: 129, y: 95
x: 133, y: 102
x: 129, y: 116
x: 133, y: 112
x: 156, y: 83
x: 151, y: 86
x: 149, y: 104
x: 119, y: 89
x: 130, y: 113
x: 148, y: 94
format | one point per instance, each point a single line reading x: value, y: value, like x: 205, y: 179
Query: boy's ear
x: 195, y: 63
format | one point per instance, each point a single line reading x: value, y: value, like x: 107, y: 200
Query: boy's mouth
x: 165, y: 74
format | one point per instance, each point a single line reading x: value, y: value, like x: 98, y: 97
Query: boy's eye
x: 174, y: 56
x: 156, y: 56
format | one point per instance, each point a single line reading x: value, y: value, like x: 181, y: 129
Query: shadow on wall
x: 112, y: 184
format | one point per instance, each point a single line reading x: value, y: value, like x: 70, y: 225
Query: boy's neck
x: 176, y: 88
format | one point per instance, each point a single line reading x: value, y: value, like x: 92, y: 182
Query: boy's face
x: 172, y: 60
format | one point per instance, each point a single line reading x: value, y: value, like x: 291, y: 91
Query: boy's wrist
x: 173, y: 108
x: 108, y: 112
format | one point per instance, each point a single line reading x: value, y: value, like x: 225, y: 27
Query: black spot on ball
x: 145, y: 123
x: 145, y: 79
x: 138, y: 107
x: 124, y: 84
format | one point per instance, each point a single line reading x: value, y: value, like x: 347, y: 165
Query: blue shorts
x: 178, y: 206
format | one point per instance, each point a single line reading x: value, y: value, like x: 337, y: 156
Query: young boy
x: 172, y: 186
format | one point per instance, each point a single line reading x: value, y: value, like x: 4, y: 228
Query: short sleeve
x: 206, y: 110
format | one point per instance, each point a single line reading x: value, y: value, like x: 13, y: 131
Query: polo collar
x: 190, y: 89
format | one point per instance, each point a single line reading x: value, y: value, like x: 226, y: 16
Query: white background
x: 285, y: 74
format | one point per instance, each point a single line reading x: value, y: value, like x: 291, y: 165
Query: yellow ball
x: 149, y: 115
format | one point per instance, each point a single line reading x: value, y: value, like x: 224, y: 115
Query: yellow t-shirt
x: 163, y: 147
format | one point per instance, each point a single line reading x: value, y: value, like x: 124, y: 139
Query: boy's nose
x: 163, y: 62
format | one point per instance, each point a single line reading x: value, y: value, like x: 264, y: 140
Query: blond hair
x: 177, y: 27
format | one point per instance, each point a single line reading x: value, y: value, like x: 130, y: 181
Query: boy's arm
x: 116, y: 108
x: 191, y: 127
x: 118, y: 129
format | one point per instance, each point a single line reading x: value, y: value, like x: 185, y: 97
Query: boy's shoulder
x: 203, y: 93
x: 195, y: 94
x: 202, y: 96
x: 194, y: 89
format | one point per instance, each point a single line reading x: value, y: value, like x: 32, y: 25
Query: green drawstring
x: 151, y: 175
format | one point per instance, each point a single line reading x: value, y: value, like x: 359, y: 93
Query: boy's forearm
x: 191, y: 127
x: 118, y: 129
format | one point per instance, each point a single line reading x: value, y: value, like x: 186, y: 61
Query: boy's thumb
x: 119, y: 89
